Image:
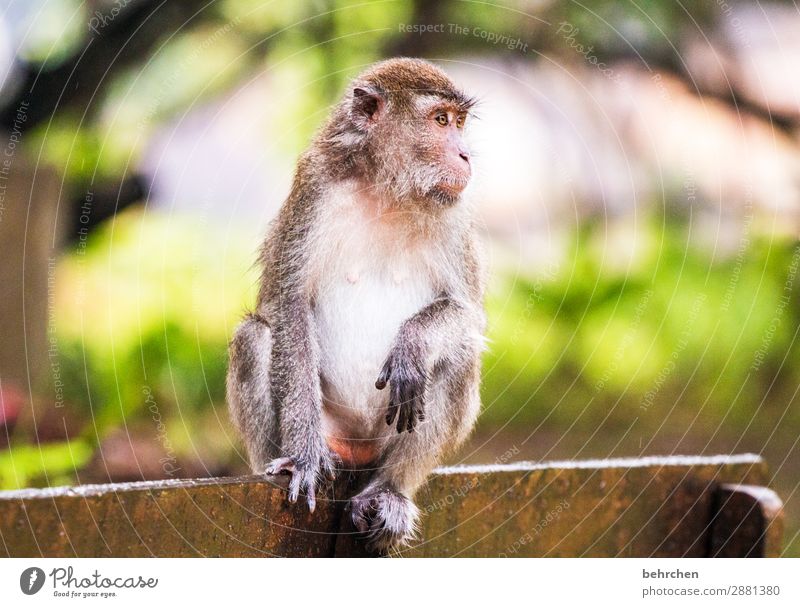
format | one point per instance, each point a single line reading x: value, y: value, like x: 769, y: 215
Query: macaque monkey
x: 363, y: 351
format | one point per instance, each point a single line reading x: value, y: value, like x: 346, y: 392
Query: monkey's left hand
x: 407, y: 379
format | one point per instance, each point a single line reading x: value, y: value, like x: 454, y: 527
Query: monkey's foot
x: 305, y: 478
x: 387, y: 518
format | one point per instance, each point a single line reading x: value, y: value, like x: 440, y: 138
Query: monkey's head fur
x: 399, y: 132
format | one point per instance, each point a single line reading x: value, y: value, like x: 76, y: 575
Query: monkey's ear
x: 367, y: 106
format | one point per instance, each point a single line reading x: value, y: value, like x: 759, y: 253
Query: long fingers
x: 311, y: 496
x: 294, y: 487
x: 394, y: 405
x: 383, y: 377
x: 406, y: 405
x: 303, y: 479
x: 420, y: 405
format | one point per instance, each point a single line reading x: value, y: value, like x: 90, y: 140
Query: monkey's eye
x: 462, y: 118
x: 441, y: 119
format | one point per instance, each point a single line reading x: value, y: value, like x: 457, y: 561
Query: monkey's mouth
x: 451, y: 187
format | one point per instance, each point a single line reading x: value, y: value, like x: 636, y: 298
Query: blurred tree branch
x: 115, y: 41
x: 114, y: 44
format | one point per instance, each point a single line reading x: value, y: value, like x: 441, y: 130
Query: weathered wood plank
x: 747, y: 521
x: 627, y: 507
x: 641, y: 507
x: 246, y: 516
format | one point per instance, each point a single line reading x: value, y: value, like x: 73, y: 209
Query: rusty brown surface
x: 649, y: 507
x: 226, y: 517
x: 642, y: 507
x: 747, y: 521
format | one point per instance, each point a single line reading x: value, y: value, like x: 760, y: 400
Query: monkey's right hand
x: 407, y: 381
x: 305, y: 476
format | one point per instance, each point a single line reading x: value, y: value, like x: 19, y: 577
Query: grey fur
x: 431, y: 372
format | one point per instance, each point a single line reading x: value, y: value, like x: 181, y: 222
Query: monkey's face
x: 442, y: 154
x: 415, y: 144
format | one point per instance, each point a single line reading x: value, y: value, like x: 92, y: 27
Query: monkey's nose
x: 464, y: 156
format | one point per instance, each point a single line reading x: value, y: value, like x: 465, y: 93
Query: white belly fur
x: 368, y: 285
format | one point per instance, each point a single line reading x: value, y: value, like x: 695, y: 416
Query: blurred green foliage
x: 147, y: 308
x: 312, y: 49
x: 632, y: 320
x: 50, y: 463
x: 152, y: 301
x: 674, y: 326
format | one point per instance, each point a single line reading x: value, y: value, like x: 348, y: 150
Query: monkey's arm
x: 295, y: 384
x: 445, y: 332
x: 436, y: 355
x: 296, y: 394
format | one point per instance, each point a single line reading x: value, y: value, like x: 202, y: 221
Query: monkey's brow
x: 463, y: 102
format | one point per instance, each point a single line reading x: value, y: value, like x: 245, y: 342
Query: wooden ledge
x: 670, y: 506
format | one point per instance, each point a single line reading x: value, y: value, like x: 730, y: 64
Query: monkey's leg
x: 384, y: 509
x: 449, y: 348
x: 248, y: 391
